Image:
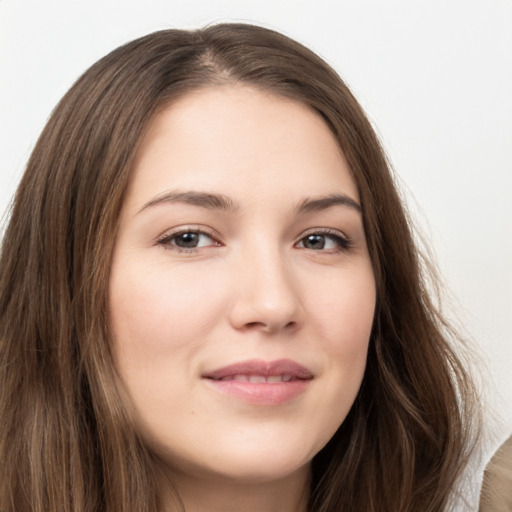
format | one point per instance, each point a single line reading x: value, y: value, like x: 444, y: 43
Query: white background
x: 435, y: 78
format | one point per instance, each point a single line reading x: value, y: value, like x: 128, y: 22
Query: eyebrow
x: 203, y: 199
x: 323, y: 203
x: 224, y: 203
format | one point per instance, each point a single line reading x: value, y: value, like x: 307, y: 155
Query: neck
x: 289, y: 494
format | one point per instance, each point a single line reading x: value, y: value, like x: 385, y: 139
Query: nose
x: 266, y: 295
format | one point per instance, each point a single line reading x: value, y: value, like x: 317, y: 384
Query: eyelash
x: 167, y: 238
x: 343, y: 243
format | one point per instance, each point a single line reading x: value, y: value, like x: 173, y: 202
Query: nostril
x: 255, y: 325
x: 271, y: 327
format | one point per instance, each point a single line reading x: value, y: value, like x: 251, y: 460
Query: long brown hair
x: 67, y: 442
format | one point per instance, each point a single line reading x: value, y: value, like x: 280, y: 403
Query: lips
x: 260, y: 382
x: 258, y: 379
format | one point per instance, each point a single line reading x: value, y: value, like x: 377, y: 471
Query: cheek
x: 159, y: 308
x: 344, y: 319
x: 344, y: 312
x: 341, y: 320
x: 159, y: 323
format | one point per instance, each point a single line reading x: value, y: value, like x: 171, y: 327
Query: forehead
x: 240, y: 141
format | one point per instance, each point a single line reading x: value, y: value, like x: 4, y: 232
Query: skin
x: 256, y: 286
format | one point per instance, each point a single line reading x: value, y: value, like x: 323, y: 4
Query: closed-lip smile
x: 260, y: 382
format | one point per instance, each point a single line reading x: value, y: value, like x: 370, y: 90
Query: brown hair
x: 67, y: 442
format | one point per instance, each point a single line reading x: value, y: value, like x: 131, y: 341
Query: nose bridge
x: 267, y: 295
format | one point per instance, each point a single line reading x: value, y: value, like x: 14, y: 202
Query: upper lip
x: 261, y: 367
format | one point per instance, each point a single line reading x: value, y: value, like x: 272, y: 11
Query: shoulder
x: 496, y: 493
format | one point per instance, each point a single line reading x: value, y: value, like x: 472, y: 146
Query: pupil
x: 187, y: 240
x: 315, y: 241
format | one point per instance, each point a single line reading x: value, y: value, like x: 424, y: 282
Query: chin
x: 249, y: 470
x: 244, y: 463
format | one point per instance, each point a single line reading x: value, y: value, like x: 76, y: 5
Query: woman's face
x: 242, y: 294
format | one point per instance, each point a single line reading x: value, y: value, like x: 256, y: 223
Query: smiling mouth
x: 258, y: 382
x: 259, y: 379
x: 259, y: 371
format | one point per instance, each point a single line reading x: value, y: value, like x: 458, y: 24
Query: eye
x: 187, y: 240
x: 324, y: 241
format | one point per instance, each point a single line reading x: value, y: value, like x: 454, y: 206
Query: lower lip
x: 274, y: 393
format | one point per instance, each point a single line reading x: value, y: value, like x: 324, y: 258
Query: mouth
x: 258, y: 379
x: 259, y: 382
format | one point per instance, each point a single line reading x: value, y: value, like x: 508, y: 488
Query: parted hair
x: 67, y: 439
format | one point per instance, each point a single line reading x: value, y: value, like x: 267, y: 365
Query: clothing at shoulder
x: 496, y: 493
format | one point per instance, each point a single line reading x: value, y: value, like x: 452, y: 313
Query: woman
x: 211, y: 299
